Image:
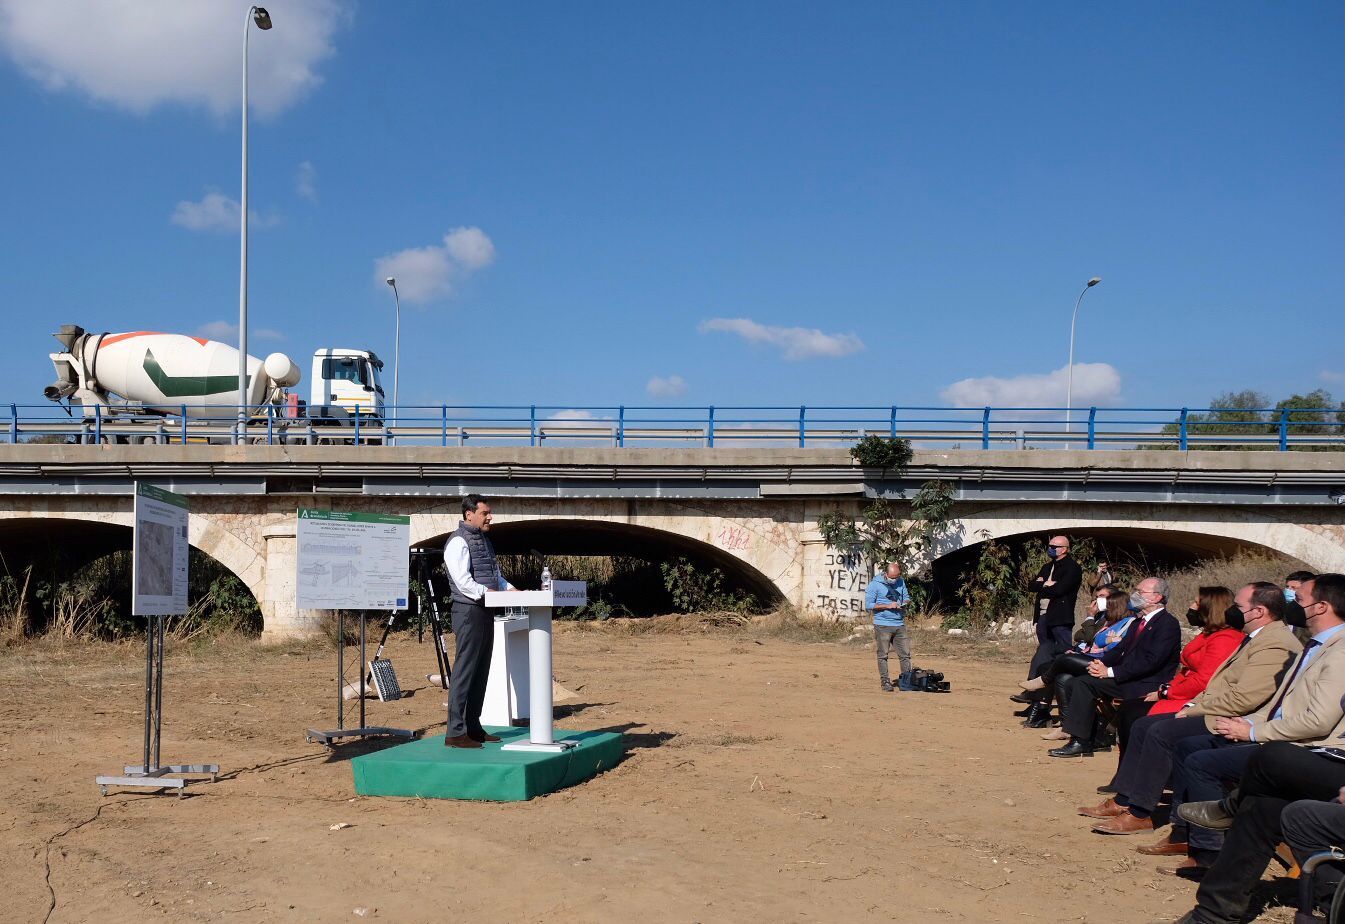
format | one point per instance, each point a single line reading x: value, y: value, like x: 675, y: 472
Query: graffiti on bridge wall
x: 847, y: 579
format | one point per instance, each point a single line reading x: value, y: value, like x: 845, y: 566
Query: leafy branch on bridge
x: 910, y: 532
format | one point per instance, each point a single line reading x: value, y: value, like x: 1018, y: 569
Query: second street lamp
x: 1069, y: 376
x: 396, y: 347
x: 262, y: 19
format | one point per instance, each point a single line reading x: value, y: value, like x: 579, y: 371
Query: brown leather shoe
x: 1186, y: 869
x: 1124, y: 824
x: 1108, y: 809
x: 460, y: 741
x: 1164, y: 848
x: 483, y: 735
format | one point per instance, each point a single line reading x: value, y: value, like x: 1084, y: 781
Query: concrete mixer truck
x: 143, y: 378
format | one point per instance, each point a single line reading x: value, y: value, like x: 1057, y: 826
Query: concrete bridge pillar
x: 280, y: 618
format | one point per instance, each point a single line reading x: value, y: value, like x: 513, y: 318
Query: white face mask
x: 1102, y: 604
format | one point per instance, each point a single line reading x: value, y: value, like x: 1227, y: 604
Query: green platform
x: 428, y: 770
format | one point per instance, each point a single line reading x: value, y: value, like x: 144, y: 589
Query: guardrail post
x: 443, y: 425
x: 270, y: 424
x: 97, y: 423
x: 710, y: 428
x: 892, y: 423
x: 1092, y: 428
x: 357, y: 425
x: 532, y: 425
x: 1284, y: 429
x: 621, y: 426
x: 184, y: 424
x: 985, y: 428
x: 1182, y: 432
x: 13, y: 423
x: 803, y: 410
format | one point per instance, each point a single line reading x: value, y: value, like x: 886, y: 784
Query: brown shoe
x: 460, y: 741
x: 483, y: 735
x: 1186, y: 869
x: 1124, y: 824
x: 1164, y: 848
x: 1108, y: 809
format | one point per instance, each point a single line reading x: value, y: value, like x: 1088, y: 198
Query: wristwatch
x: 1163, y: 690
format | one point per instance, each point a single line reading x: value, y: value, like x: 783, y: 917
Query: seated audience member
x: 1240, y: 686
x: 1114, y: 612
x: 1203, y: 654
x: 1145, y: 659
x: 1306, y: 710
x: 1278, y: 775
x: 1294, y: 614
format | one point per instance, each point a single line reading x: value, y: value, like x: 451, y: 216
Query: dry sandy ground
x: 766, y: 780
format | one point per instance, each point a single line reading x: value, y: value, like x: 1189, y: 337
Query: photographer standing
x: 1057, y: 589
x: 886, y: 598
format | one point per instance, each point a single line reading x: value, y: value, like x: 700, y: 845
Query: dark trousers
x: 1276, y: 774
x: 474, y: 631
x: 1131, y: 711
x: 1201, y: 768
x: 1069, y: 664
x: 1080, y: 708
x: 1051, y: 641
x: 1313, y: 827
x: 1146, y: 763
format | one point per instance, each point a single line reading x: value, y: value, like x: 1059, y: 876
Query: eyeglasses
x: 1050, y: 546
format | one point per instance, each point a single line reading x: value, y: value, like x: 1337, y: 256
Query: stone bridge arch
x: 203, y: 534
x: 765, y: 553
x: 1200, y: 530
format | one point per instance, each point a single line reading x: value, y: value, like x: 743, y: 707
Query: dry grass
x: 1232, y: 572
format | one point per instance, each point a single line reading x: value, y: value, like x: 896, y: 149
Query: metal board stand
x: 426, y: 575
x: 361, y: 731
x: 151, y: 774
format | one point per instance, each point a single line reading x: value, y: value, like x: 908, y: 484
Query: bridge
x: 753, y: 512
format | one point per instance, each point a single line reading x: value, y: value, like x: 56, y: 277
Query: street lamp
x: 262, y: 19
x: 1069, y: 388
x: 396, y: 347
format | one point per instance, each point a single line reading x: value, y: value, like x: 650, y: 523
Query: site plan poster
x: 159, y: 553
x: 352, y: 561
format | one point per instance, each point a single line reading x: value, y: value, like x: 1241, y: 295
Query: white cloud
x: 1335, y: 378
x: 216, y: 212
x: 425, y: 274
x: 139, y: 54
x: 306, y: 181
x: 227, y: 332
x: 1094, y: 384
x: 669, y: 387
x: 793, y: 342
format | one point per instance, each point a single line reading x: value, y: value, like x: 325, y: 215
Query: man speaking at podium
x: 469, y: 559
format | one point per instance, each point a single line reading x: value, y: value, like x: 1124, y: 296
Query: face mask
x: 1195, y: 618
x: 1234, y: 617
x: 1137, y: 602
x: 1051, y: 551
x: 1102, y: 604
x: 1290, y: 594
x: 1294, y: 615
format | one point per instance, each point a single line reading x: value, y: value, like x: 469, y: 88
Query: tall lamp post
x: 1069, y: 387
x: 396, y: 347
x: 262, y: 19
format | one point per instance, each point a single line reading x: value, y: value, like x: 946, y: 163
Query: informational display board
x: 159, y: 553
x: 352, y: 561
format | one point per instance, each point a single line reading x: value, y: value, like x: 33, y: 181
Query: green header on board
x: 159, y: 494
x: 342, y: 516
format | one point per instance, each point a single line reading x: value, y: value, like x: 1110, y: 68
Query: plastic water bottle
x: 546, y: 578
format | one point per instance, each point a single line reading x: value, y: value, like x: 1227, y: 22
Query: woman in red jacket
x: 1203, y: 654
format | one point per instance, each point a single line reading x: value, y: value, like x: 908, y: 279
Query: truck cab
x: 348, y: 379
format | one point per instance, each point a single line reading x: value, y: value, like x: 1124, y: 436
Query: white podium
x: 519, y: 682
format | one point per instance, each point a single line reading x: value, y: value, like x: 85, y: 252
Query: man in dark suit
x: 1057, y: 590
x: 1145, y: 659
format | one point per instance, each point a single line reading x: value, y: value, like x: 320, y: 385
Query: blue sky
x: 748, y: 203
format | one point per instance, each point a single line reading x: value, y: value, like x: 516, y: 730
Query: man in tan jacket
x: 1306, y: 709
x: 1241, y: 685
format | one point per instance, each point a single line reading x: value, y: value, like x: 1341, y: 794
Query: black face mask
x: 1194, y: 618
x: 1235, y: 618
x: 1294, y: 615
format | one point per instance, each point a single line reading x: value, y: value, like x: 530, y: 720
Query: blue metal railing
x: 793, y: 426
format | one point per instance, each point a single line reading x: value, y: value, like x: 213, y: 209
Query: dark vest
x: 485, y: 569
